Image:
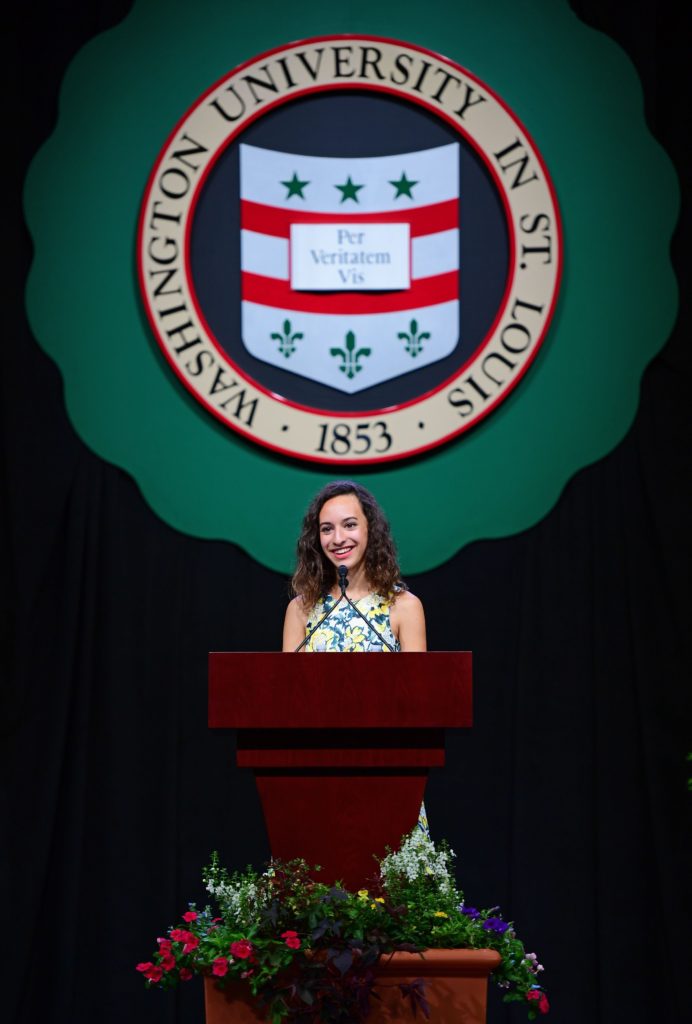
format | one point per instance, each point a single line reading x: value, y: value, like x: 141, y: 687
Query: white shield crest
x: 350, y: 266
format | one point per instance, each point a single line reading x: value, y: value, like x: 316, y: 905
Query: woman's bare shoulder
x: 296, y: 609
x: 405, y: 599
x: 407, y: 607
x: 294, y: 624
x: 408, y: 621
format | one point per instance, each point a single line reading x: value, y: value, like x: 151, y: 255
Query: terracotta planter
x: 457, y: 987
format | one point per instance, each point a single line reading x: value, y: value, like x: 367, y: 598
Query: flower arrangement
x: 308, y: 951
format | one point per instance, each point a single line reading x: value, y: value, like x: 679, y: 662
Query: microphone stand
x: 343, y: 596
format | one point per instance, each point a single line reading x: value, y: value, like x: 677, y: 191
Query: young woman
x: 344, y: 525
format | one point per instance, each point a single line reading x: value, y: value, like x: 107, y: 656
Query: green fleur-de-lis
x: 350, y: 364
x: 414, y: 340
x: 287, y: 340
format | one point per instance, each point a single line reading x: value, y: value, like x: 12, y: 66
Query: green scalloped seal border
x: 579, y: 97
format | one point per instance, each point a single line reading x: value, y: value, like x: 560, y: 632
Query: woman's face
x: 344, y: 531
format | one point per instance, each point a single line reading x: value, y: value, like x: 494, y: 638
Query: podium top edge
x: 276, y: 653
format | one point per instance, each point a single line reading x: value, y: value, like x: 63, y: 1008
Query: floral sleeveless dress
x: 344, y: 630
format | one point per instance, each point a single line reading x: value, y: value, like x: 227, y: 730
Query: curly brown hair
x: 315, y: 575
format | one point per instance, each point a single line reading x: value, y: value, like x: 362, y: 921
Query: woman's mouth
x: 342, y: 552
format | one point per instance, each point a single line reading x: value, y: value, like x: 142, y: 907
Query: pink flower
x: 533, y: 964
x: 535, y: 995
x: 185, y: 973
x: 242, y: 949
x: 150, y: 971
x: 179, y: 935
x: 168, y: 961
x: 292, y: 940
x: 190, y: 916
x: 220, y: 966
x: 192, y: 943
x: 164, y: 945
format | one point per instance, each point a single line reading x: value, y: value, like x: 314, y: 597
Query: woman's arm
x: 294, y: 625
x: 408, y: 622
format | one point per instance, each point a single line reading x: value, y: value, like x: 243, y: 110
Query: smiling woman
x: 345, y: 529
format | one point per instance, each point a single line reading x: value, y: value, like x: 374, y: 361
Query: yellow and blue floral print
x: 344, y: 630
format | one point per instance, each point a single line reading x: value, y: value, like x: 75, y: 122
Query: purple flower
x: 495, y: 924
x: 469, y: 911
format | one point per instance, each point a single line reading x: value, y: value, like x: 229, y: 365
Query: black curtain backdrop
x: 567, y: 803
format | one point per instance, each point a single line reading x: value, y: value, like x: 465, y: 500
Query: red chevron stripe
x: 276, y: 220
x: 428, y: 291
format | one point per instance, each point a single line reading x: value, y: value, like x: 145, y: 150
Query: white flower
x: 239, y: 901
x: 418, y: 857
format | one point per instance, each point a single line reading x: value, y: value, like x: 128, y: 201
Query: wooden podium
x: 340, y: 746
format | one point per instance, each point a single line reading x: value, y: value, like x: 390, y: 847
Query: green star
x: 403, y: 186
x: 349, y: 190
x: 295, y: 187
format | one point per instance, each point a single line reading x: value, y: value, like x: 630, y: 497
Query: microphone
x: 343, y: 579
